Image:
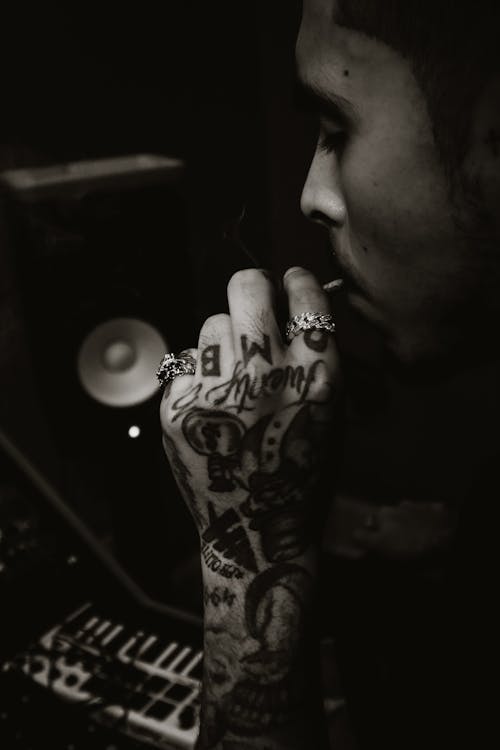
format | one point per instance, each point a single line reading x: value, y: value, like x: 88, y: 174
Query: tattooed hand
x: 246, y: 436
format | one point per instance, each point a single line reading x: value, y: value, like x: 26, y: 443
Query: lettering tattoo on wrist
x: 227, y: 535
x: 216, y: 565
x: 218, y: 596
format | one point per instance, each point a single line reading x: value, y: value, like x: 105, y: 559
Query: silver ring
x: 172, y: 366
x: 309, y: 321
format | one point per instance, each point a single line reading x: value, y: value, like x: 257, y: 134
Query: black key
x: 118, y: 642
x: 183, y: 662
x: 77, y: 622
x: 104, y: 629
x: 153, y: 651
x: 156, y: 684
x: 171, y: 656
x: 178, y: 692
x: 187, y: 717
x: 197, y: 672
x: 160, y: 710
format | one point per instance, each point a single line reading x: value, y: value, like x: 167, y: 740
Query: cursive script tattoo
x: 242, y: 389
x: 184, y: 402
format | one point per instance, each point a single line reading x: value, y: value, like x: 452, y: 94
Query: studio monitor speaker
x: 101, y: 252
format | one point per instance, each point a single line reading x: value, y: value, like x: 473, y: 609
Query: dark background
x: 213, y: 85
x: 210, y: 85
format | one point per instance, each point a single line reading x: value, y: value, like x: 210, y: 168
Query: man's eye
x: 333, y: 142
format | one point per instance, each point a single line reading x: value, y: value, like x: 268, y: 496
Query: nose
x: 322, y: 198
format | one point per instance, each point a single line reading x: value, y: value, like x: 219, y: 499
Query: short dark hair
x: 453, y: 49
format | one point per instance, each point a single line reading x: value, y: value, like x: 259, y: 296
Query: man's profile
x: 405, y: 179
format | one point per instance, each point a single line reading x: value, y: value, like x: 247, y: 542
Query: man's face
x: 377, y: 184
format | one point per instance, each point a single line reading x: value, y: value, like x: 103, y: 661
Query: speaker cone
x: 118, y: 360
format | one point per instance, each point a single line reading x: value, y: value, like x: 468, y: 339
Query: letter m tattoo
x: 250, y: 349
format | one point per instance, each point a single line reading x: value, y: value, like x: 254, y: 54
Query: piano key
x: 178, y: 692
x: 144, y: 646
x: 166, y: 655
x: 195, y: 669
x: 112, y: 633
x: 131, y: 651
x: 159, y: 710
x: 181, y: 665
x: 88, y: 626
x: 119, y: 642
x: 102, y: 628
x: 151, y: 652
x: 178, y: 659
x: 73, y: 624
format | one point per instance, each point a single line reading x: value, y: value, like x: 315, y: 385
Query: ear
x: 482, y: 163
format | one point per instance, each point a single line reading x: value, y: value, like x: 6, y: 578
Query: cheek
x: 397, y: 206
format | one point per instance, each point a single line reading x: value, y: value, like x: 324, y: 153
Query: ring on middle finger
x: 309, y: 321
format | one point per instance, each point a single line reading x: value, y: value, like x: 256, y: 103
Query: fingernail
x: 291, y: 270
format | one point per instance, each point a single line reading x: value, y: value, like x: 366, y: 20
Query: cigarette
x: 333, y: 286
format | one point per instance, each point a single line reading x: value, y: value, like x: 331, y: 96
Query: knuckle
x: 248, y: 277
x: 298, y: 276
x: 324, y: 386
x: 254, y: 323
x: 173, y: 391
x: 215, y: 325
x: 322, y: 390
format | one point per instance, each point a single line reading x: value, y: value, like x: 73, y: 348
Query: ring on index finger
x: 172, y: 366
x: 309, y: 321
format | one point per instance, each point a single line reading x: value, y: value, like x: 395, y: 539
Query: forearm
x: 261, y: 683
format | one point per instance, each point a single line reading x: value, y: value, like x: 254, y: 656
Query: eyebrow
x: 311, y: 98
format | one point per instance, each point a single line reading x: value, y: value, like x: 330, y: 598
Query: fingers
x: 305, y: 294
x: 256, y: 336
x: 215, y: 348
x: 180, y: 383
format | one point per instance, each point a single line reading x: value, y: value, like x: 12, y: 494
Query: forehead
x: 331, y: 57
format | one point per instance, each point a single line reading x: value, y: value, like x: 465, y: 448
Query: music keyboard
x: 146, y: 685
